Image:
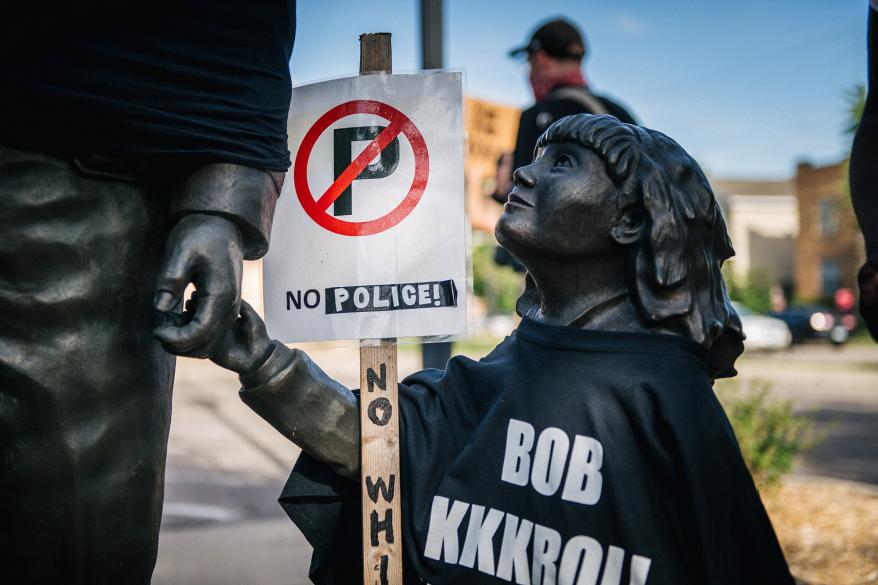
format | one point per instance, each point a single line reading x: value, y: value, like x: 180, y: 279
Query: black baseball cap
x: 558, y: 38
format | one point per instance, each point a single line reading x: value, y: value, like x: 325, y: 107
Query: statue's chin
x: 518, y: 237
x: 507, y: 232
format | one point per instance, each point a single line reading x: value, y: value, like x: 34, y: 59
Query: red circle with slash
x: 317, y: 209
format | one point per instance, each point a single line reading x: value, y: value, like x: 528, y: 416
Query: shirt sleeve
x: 729, y: 532
x: 326, y: 508
x: 245, y: 195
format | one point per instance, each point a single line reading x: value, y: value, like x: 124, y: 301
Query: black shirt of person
x: 565, y: 456
x: 188, y: 79
x: 556, y: 105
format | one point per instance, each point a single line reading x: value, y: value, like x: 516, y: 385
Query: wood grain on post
x: 379, y: 461
x: 379, y: 415
x: 375, y: 53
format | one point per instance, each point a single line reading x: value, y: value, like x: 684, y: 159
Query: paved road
x: 839, y: 388
x: 223, y: 526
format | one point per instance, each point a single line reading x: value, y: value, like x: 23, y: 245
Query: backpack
x: 580, y: 95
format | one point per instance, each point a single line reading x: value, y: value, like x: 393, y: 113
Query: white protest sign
x: 369, y: 236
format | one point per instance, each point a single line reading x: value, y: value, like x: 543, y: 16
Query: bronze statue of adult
x: 588, y: 446
x: 142, y: 148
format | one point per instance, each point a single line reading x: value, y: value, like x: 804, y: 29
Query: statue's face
x: 562, y: 204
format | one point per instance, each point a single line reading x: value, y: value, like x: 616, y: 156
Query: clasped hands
x: 207, y: 251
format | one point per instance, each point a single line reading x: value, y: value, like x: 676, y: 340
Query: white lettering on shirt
x: 549, y: 461
x: 516, y: 460
x: 547, y: 547
x: 530, y: 553
x: 584, y: 481
x: 513, y: 550
x: 480, y: 538
x: 582, y: 556
x: 442, y: 534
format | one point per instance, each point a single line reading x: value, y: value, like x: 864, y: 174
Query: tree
x: 856, y: 102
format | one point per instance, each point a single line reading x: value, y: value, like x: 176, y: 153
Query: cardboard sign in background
x: 371, y: 243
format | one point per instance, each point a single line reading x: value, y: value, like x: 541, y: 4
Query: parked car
x: 818, y: 322
x: 763, y: 332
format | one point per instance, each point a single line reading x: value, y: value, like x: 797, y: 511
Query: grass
x: 480, y: 345
x: 861, y: 337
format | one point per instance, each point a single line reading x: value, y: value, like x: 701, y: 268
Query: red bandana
x: 544, y: 83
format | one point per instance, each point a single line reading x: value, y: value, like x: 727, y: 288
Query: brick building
x: 829, y: 249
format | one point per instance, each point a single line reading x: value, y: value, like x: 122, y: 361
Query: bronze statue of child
x: 588, y: 447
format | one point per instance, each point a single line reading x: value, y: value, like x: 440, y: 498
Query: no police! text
x: 377, y: 297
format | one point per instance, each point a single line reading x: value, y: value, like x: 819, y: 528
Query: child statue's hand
x: 246, y: 344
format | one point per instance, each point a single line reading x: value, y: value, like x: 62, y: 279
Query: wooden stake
x: 379, y: 415
x: 375, y: 53
x: 379, y: 461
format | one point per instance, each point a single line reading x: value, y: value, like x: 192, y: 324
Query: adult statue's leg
x: 85, y: 391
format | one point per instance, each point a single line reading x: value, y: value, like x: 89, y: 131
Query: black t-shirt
x: 538, y: 117
x: 863, y: 167
x: 565, y: 456
x: 197, y: 79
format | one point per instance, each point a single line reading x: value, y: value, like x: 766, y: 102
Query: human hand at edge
x: 868, y: 282
x: 206, y: 250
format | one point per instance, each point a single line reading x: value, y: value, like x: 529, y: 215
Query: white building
x: 763, y: 222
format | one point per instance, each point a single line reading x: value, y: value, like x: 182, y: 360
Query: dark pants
x: 85, y: 391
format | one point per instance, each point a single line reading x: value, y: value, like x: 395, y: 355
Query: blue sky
x: 748, y: 88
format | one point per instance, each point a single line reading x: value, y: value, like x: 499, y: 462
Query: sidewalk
x: 222, y: 524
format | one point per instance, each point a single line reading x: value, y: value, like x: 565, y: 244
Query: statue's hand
x: 206, y: 250
x: 246, y: 344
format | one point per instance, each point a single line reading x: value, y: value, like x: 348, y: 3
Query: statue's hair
x: 673, y: 270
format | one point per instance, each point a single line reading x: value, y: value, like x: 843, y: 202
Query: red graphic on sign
x: 317, y: 209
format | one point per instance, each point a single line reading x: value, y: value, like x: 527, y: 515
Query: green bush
x: 499, y: 286
x: 753, y: 291
x: 770, y: 434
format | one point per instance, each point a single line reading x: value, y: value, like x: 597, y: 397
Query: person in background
x: 554, y: 54
x: 864, y: 184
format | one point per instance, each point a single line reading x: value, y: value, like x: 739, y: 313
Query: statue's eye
x: 564, y: 160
